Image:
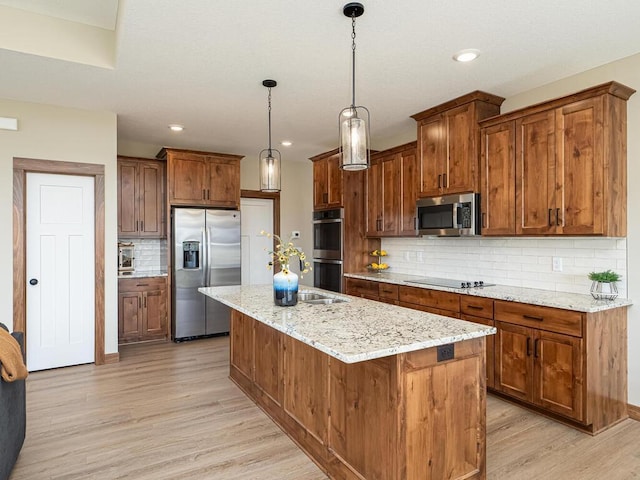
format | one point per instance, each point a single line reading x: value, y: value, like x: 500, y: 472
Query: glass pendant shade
x: 270, y: 170
x: 354, y: 138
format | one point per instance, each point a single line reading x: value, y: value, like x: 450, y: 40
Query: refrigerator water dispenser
x: 191, y: 255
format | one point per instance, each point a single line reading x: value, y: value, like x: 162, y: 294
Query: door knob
x: 33, y: 281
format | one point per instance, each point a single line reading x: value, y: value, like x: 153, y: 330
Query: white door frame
x: 20, y: 168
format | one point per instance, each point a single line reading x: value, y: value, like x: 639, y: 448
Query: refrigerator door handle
x: 204, y: 260
x: 208, y: 257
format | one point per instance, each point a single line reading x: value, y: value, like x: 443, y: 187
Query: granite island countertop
x: 352, y: 331
x: 545, y: 298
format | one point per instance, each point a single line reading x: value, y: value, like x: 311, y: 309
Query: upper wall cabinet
x: 559, y: 167
x: 202, y: 178
x: 392, y: 192
x: 141, y: 198
x: 448, y: 143
x: 327, y: 180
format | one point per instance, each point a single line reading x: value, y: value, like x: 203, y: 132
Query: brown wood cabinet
x: 141, y: 198
x: 392, y: 192
x: 335, y: 188
x: 142, y: 309
x: 327, y: 181
x: 480, y: 310
x: 561, y: 362
x: 449, y: 142
x: 559, y: 167
x: 376, y: 419
x: 202, y: 178
x: 566, y: 364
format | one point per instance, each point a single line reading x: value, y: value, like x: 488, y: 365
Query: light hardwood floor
x: 168, y: 411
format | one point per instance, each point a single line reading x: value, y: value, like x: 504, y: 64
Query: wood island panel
x: 392, y: 418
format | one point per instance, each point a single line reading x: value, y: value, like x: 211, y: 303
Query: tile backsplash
x: 150, y: 254
x: 520, y: 262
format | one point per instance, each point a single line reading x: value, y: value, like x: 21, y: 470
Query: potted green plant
x: 603, y: 286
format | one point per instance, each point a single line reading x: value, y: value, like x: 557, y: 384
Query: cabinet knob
x: 33, y: 281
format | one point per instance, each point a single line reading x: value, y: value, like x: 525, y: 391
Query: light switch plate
x: 557, y: 264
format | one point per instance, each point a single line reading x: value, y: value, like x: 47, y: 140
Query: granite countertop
x: 545, y: 298
x: 353, y: 331
x: 149, y: 273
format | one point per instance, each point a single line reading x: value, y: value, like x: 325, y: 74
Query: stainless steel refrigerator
x: 206, y: 253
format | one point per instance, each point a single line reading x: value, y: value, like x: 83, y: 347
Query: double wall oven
x: 328, y: 237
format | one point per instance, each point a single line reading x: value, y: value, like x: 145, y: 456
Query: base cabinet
x: 142, y: 309
x: 542, y: 368
x: 566, y: 364
x: 393, y: 418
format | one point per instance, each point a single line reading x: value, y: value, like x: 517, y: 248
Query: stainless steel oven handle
x: 322, y: 260
x: 329, y: 220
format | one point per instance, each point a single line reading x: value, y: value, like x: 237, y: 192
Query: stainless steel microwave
x: 449, y: 215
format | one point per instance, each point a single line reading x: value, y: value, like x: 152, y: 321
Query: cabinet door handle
x: 439, y: 181
x: 141, y: 226
x: 204, y: 194
x: 535, y: 347
x: 142, y: 284
x: 528, y: 346
x: 145, y: 302
x: 533, y: 317
x: 475, y: 307
x: 137, y: 225
x: 484, y: 220
x: 444, y: 181
x: 550, y: 214
x: 558, y: 216
x: 208, y: 194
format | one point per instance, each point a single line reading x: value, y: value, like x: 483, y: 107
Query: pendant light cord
x: 270, y: 122
x: 353, y: 59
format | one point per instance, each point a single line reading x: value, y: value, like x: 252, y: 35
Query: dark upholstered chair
x: 13, y: 412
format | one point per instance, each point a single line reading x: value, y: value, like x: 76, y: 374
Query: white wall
x: 627, y: 72
x: 296, y: 200
x: 54, y: 133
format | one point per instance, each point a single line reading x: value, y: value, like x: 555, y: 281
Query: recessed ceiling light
x: 176, y: 128
x: 466, y: 55
x: 286, y: 143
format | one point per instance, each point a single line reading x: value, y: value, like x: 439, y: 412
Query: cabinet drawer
x: 430, y: 298
x: 543, y: 318
x: 359, y: 287
x: 388, y: 291
x: 476, y: 306
x: 141, y: 284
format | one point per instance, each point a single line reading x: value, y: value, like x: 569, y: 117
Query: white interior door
x: 256, y: 215
x: 60, y: 260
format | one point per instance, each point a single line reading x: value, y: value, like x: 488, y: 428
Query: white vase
x: 285, y: 287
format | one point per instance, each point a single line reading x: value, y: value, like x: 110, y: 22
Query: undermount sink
x: 318, y: 298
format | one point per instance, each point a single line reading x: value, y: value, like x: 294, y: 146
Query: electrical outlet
x: 557, y: 264
x: 445, y: 352
x: 295, y: 234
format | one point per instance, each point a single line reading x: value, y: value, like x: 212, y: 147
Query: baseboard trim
x: 111, y: 358
x: 634, y: 412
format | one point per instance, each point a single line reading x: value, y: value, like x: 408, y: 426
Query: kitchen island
x: 367, y: 390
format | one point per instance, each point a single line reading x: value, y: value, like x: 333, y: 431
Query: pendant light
x: 354, y: 120
x: 269, y: 157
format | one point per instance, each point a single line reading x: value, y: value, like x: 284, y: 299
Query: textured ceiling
x: 201, y: 63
